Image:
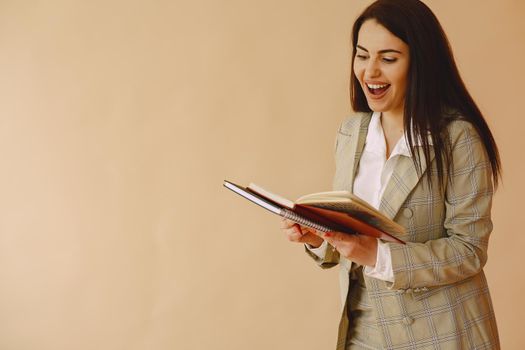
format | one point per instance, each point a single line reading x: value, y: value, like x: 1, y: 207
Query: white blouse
x: 372, y: 176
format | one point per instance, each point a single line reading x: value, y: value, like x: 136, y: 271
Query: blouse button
x: 407, y: 212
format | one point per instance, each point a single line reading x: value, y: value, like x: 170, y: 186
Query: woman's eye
x: 389, y: 59
x: 361, y: 57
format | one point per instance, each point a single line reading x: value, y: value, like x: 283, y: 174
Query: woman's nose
x: 372, y: 70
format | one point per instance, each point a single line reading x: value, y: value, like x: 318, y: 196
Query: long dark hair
x: 434, y: 88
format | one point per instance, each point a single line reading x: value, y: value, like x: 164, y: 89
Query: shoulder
x: 354, y: 123
x: 460, y: 131
x: 467, y: 149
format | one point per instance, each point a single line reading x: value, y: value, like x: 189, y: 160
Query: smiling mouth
x: 377, y: 89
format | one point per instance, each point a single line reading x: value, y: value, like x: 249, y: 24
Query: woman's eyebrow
x: 380, y: 51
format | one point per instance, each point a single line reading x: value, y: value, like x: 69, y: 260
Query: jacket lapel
x: 363, y: 131
x: 404, y: 178
x: 351, y: 140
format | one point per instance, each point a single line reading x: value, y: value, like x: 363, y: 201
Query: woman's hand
x: 301, y: 234
x: 358, y: 248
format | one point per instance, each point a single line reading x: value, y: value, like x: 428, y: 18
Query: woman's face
x: 381, y: 66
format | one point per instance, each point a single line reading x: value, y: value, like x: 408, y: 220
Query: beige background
x: 120, y: 119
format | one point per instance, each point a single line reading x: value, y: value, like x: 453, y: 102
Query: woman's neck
x: 393, y: 128
x: 392, y: 121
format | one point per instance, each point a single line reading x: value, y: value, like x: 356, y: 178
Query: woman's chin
x: 376, y: 107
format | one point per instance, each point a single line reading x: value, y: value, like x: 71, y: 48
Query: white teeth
x: 375, y: 86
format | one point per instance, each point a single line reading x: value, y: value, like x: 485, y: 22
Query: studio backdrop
x: 119, y: 121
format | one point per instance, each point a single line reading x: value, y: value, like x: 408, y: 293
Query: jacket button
x: 407, y: 212
x: 407, y: 321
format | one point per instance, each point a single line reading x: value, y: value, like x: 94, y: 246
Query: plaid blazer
x: 439, y: 298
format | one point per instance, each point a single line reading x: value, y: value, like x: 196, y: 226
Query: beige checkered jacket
x: 440, y: 298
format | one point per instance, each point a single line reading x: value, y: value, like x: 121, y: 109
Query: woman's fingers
x: 339, y: 240
x: 293, y: 232
x: 285, y: 223
x: 296, y: 232
x: 331, y: 237
x: 295, y: 227
x: 360, y: 249
x: 300, y: 234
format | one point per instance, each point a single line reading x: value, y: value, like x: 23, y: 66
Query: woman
x: 420, y: 151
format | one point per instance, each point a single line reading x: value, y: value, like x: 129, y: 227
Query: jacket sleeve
x: 462, y: 251
x: 330, y: 259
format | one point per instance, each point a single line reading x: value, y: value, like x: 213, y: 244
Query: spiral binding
x: 288, y: 214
